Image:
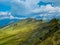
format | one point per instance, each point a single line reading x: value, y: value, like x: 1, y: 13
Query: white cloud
x: 8, y: 15
x: 4, y: 14
x: 27, y: 7
x: 11, y: 17
x: 30, y: 8
x: 50, y: 12
x: 48, y: 8
x: 23, y: 8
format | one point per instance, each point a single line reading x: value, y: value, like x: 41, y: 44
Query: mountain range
x: 31, y: 32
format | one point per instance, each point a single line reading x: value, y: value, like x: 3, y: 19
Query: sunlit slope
x: 29, y: 32
x: 21, y: 33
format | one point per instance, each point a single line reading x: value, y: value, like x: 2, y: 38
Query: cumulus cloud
x: 48, y: 8
x: 8, y: 15
x: 23, y: 8
x: 4, y: 15
x: 30, y: 8
x: 47, y: 12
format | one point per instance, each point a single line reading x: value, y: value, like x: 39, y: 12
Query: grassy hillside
x: 52, y: 40
x: 30, y: 32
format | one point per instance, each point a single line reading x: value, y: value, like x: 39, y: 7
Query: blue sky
x: 21, y: 9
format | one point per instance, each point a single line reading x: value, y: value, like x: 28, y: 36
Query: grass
x: 27, y: 32
x: 17, y: 34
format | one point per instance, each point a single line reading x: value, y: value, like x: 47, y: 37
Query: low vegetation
x: 31, y: 32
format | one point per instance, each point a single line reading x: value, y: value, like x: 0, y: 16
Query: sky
x: 21, y: 9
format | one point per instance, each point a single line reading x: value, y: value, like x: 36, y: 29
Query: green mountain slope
x: 52, y: 40
x: 29, y: 32
x: 54, y: 37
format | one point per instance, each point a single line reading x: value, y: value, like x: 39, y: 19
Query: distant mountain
x: 31, y: 32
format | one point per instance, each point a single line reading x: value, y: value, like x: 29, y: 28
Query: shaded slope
x: 52, y: 40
